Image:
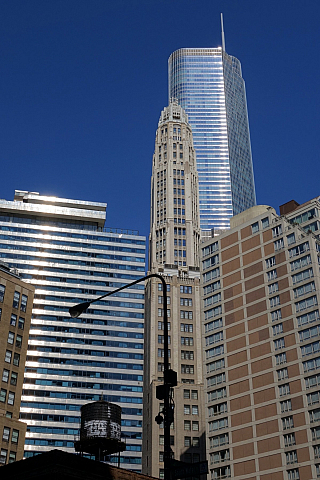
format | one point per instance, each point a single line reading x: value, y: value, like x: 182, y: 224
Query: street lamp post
x: 169, y: 377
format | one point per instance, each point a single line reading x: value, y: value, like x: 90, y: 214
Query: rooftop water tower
x: 100, y: 430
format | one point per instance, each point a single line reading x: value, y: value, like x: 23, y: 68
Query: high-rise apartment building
x: 261, y: 326
x: 208, y: 84
x: 16, y: 300
x: 62, y: 248
x: 173, y: 252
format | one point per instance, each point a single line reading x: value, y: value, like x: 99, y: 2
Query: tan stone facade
x: 173, y: 252
x: 16, y: 300
x: 261, y: 327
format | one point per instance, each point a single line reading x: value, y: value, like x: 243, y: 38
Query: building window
x: 293, y: 474
x: 188, y: 369
x: 195, y: 441
x: 291, y: 457
x: 299, y: 249
x: 14, y: 378
x: 300, y: 262
x: 276, y: 231
x: 8, y: 356
x: 282, y: 374
x: 188, y: 341
x: 221, y: 472
x: 278, y: 244
x: 216, y: 380
x: 284, y: 389
x: 285, y: 406
x: 277, y: 329
x: 160, y: 367
x: 274, y: 287
x: 186, y: 394
x: 274, y: 301
x: 11, y: 396
x: 187, y: 425
x: 15, y: 436
x: 186, y: 327
x: 195, y: 410
x: 272, y: 275
x: 12, y: 457
x: 187, y: 355
x: 186, y: 302
x: 16, y: 300
x: 314, y: 415
x: 195, y: 426
x: 18, y: 341
x: 13, y: 320
x: 2, y: 291
x: 289, y: 439
x: 186, y: 410
x: 279, y: 343
x: 307, y: 303
x: 255, y: 227
x: 291, y: 239
x: 281, y: 358
x: 270, y: 262
x: 3, y: 395
x: 3, y: 456
x: 287, y: 423
x: 301, y: 276
x: 6, y: 434
x: 10, y: 338
x: 16, y: 359
x: 24, y: 300
x: 304, y: 289
x: 185, y: 289
x: 187, y: 441
x: 21, y: 323
x: 276, y: 315
x: 5, y: 375
x: 316, y: 450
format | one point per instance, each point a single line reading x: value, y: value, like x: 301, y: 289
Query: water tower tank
x: 100, y: 431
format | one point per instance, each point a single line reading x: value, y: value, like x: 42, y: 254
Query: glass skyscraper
x: 62, y: 248
x: 208, y: 84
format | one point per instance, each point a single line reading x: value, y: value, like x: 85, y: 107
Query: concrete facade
x: 261, y: 326
x: 173, y: 252
x: 16, y: 300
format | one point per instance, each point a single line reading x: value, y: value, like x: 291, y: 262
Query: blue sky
x: 82, y: 84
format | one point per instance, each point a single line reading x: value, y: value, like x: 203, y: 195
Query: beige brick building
x: 16, y: 300
x: 260, y: 289
x: 173, y: 252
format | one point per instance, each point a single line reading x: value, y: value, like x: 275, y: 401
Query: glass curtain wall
x: 75, y: 361
x: 208, y: 85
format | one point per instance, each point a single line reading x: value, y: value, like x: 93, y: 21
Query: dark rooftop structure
x: 59, y: 465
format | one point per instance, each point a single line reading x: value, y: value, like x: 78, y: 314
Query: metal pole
x: 167, y: 413
x: 76, y: 311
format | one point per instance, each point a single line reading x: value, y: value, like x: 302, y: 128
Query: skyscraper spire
x: 222, y: 34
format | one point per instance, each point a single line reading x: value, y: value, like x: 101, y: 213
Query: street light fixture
x: 169, y: 376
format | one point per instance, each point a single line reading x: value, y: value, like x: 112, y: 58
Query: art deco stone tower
x: 173, y: 252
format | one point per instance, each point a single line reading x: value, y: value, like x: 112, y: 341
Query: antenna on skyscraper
x: 222, y: 34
